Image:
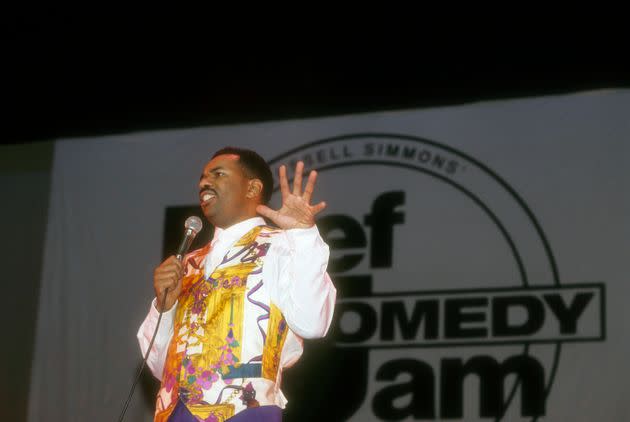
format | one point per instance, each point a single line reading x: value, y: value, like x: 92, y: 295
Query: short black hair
x: 254, y: 166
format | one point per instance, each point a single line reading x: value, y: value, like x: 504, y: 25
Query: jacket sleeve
x: 302, y: 288
x: 157, y: 355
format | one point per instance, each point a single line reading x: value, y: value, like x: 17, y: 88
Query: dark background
x: 74, y: 72
x: 69, y: 72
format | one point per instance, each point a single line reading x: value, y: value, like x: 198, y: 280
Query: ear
x: 254, y: 188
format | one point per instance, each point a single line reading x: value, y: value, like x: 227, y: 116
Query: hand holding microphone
x: 167, y: 277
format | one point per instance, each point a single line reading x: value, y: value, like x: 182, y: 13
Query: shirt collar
x: 236, y: 231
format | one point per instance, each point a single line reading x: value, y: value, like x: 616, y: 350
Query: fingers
x: 310, y: 185
x: 167, y: 275
x: 284, y: 184
x: 172, y: 266
x: 167, y: 279
x: 316, y: 209
x: 172, y: 263
x: 265, y: 211
x: 297, y: 180
x: 172, y: 260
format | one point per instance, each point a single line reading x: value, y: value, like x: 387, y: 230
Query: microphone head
x: 193, y: 223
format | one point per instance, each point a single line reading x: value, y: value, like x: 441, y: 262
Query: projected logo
x: 450, y: 304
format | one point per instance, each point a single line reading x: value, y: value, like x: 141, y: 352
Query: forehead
x: 226, y: 161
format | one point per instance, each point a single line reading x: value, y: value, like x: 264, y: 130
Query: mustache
x: 207, y: 189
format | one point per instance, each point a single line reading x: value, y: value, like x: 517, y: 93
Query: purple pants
x: 254, y: 414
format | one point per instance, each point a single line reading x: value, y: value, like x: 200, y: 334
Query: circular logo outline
x: 485, y: 169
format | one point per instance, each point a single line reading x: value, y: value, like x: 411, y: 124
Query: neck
x: 227, y: 223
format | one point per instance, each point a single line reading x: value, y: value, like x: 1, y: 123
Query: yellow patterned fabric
x: 205, y: 354
x: 215, y: 413
x: 276, y: 335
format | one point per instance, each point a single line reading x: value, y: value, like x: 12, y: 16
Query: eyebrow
x: 211, y: 171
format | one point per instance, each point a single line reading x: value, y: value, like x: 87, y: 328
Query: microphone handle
x: 189, y: 236
x: 186, y: 242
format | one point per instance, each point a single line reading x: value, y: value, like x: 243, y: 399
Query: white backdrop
x: 565, y: 158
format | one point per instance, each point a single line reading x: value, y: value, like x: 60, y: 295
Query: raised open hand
x: 296, y: 211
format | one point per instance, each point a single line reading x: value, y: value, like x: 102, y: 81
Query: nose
x: 207, y: 180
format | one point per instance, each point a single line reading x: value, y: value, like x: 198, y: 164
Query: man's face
x: 223, y: 190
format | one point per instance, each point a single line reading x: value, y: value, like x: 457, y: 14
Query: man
x: 235, y: 312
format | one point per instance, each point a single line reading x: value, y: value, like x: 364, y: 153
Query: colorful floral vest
x: 208, y: 367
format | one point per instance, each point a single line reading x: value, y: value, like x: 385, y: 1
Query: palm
x: 296, y: 210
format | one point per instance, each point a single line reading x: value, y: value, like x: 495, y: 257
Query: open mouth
x: 207, y: 196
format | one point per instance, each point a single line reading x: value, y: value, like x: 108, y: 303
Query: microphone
x: 193, y: 226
